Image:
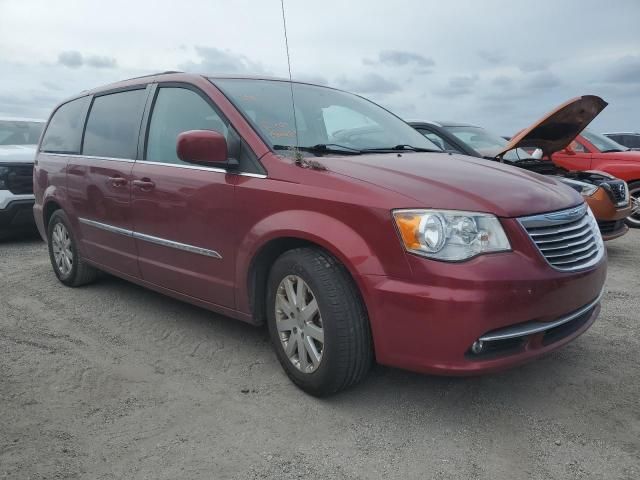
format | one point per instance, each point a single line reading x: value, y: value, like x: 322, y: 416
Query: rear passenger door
x: 99, y: 179
x: 182, y: 212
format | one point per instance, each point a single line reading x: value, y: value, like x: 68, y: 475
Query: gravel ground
x: 114, y: 381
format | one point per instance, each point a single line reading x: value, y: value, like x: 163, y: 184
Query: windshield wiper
x: 613, y: 150
x: 322, y: 148
x: 400, y: 147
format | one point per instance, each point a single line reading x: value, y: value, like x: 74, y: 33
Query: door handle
x: 145, y: 184
x: 117, y: 181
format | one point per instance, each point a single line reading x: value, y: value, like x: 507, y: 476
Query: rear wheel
x: 633, y: 220
x: 317, y: 322
x: 67, y: 264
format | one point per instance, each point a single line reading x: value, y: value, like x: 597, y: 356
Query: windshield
x: 602, y: 143
x: 324, y: 116
x: 486, y: 143
x: 19, y: 132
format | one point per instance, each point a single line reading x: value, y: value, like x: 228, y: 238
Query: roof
x: 445, y: 123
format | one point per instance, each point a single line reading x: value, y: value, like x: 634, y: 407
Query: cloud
x: 534, y: 65
x: 400, y: 58
x: 502, y: 81
x: 70, y: 58
x: 459, y: 85
x: 625, y: 71
x: 215, y: 61
x: 542, y: 81
x: 369, y: 83
x: 492, y: 56
x: 97, y: 61
x: 75, y: 59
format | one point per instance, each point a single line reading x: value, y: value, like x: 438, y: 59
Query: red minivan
x: 335, y: 223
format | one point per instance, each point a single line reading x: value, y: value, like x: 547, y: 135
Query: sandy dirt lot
x: 114, y: 381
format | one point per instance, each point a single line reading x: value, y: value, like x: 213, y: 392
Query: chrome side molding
x: 151, y: 239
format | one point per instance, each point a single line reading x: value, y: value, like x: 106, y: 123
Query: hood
x: 557, y: 129
x: 17, y: 153
x: 458, y: 182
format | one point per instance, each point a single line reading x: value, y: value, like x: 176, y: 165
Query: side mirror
x: 204, y: 147
x: 537, y: 154
x: 568, y: 151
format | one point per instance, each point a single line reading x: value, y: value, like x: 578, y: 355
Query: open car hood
x: 560, y: 127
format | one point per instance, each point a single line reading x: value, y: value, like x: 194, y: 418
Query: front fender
x: 625, y: 170
x: 338, y: 238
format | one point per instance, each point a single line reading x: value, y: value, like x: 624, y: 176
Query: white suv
x: 18, y: 139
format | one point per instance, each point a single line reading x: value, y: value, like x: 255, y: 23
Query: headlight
x: 450, y: 235
x: 583, y: 188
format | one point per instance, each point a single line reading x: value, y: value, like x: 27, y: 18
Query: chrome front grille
x: 568, y: 239
x: 618, y: 191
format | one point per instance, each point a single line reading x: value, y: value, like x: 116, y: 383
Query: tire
x: 73, y: 271
x: 346, y: 351
x: 633, y: 220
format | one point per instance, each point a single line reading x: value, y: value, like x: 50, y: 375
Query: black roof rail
x: 153, y: 74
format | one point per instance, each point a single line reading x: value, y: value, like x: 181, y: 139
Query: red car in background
x: 593, y: 151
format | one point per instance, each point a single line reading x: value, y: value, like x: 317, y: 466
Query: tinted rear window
x: 113, y: 125
x: 64, y: 132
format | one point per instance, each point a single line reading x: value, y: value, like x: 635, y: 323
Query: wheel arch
x: 339, y: 241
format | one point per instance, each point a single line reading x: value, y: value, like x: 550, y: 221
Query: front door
x: 183, y: 213
x: 99, y: 180
x: 579, y: 159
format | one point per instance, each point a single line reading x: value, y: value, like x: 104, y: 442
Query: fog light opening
x: 477, y: 346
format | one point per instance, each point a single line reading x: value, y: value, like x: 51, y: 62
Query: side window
x: 578, y: 147
x: 113, y: 125
x: 438, y: 140
x: 178, y: 110
x: 64, y: 132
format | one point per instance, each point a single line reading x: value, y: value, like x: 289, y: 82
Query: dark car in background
x: 18, y: 139
x: 607, y: 196
x: 628, y: 139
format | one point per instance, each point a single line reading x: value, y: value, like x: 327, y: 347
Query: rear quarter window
x: 64, y: 131
x: 113, y: 125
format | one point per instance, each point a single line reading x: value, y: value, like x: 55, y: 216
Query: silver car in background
x: 18, y: 140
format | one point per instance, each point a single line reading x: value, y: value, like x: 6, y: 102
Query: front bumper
x: 430, y: 324
x: 17, y: 216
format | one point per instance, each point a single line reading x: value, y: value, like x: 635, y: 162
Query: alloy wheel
x: 62, y: 249
x: 299, y: 324
x: 634, y: 218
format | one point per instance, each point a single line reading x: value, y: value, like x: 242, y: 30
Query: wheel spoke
x: 286, y: 325
x: 291, y: 346
x: 302, y: 354
x: 290, y: 290
x: 301, y: 293
x: 312, y: 351
x: 284, y: 305
x: 314, y: 332
x: 309, y: 311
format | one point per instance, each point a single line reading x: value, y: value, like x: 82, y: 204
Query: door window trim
x: 146, y: 125
x: 112, y: 91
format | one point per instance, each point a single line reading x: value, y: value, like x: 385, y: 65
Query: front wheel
x: 317, y: 322
x: 633, y: 220
x: 66, y: 261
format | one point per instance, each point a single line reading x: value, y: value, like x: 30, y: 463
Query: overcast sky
x: 500, y: 64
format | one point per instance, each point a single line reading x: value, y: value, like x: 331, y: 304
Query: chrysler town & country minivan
x: 341, y: 227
